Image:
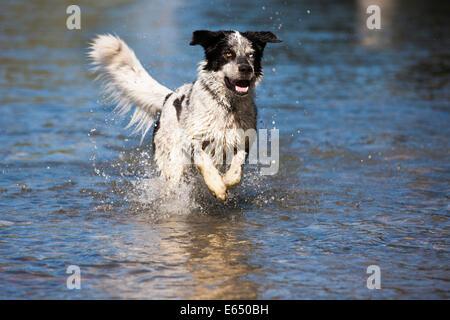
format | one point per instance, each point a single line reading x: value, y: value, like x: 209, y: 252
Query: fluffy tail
x: 126, y: 83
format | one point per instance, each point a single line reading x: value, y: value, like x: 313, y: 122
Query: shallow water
x: 364, y: 157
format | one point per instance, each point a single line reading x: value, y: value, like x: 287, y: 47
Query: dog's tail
x: 126, y: 83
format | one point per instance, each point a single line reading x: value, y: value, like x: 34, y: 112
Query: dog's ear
x: 261, y: 37
x: 206, y: 38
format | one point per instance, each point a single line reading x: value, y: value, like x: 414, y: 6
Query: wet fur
x: 199, y: 122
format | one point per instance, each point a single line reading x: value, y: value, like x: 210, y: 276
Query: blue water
x: 364, y: 157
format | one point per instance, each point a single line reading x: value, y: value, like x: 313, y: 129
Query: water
x: 364, y: 157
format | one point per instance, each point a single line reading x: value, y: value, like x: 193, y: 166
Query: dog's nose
x: 245, y: 68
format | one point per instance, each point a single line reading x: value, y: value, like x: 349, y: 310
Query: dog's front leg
x: 234, y: 174
x: 212, y: 177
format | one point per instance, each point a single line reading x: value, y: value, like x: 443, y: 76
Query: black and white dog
x: 199, y: 122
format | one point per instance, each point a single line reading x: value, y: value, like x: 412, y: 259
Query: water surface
x: 364, y: 157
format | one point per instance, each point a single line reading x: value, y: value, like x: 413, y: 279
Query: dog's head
x: 235, y: 57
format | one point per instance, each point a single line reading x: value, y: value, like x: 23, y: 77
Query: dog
x: 198, y: 122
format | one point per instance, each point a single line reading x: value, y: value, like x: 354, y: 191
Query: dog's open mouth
x: 239, y: 87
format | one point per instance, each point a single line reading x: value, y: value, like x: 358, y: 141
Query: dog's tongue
x: 241, y: 89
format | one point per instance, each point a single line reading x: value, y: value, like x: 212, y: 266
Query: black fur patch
x: 188, y: 100
x: 205, y: 144
x: 214, y: 96
x: 178, y: 105
x: 167, y: 97
x: 212, y: 93
x: 215, y: 43
x: 258, y: 41
x: 155, y: 130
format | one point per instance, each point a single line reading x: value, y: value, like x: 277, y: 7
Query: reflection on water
x: 364, y: 157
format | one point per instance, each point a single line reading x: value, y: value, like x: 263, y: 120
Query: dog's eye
x: 229, y: 54
x: 250, y: 55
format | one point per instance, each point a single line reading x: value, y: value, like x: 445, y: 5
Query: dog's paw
x: 232, y: 177
x: 222, y: 196
x: 220, y: 191
x: 216, y: 186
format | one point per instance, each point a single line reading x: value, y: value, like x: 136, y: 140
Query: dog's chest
x: 215, y: 125
x: 220, y: 129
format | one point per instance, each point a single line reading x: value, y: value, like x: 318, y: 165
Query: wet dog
x: 200, y: 123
